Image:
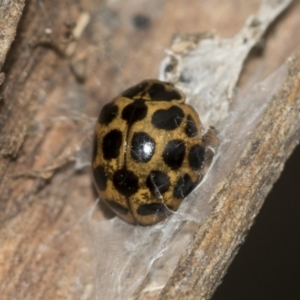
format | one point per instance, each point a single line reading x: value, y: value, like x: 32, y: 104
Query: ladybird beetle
x: 149, y: 152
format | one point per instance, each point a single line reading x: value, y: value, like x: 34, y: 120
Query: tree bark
x: 239, y: 198
x: 60, y: 61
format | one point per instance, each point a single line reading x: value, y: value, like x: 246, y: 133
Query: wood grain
x: 240, y: 197
x: 45, y: 91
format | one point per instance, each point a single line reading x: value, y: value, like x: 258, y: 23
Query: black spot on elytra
x: 108, y: 113
x: 117, y: 208
x: 168, y: 119
x: 158, y: 209
x: 191, y: 128
x: 111, y: 145
x: 135, y: 111
x: 158, y: 92
x: 100, y: 177
x: 141, y: 22
x: 133, y: 91
x: 196, y: 157
x: 142, y: 147
x: 173, y: 154
x: 158, y: 183
x: 183, y: 186
x: 125, y: 182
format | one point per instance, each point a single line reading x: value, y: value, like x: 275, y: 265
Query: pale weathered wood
x: 40, y: 242
x: 10, y: 13
x: 45, y: 252
x: 239, y: 198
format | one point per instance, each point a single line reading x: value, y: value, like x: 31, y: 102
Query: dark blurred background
x: 267, y: 265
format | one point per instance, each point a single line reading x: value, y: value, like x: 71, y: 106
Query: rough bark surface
x: 67, y: 59
x: 10, y: 13
x: 240, y: 197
